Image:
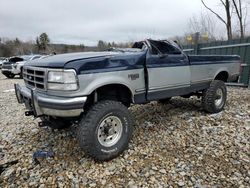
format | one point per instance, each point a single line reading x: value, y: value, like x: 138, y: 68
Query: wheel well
x: 223, y: 76
x: 116, y: 92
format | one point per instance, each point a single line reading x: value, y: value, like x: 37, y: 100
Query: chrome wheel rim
x: 219, y: 98
x: 109, y: 131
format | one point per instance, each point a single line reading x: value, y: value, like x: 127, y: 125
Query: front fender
x: 90, y: 82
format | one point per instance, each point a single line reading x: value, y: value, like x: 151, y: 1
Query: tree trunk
x: 242, y: 35
x: 229, y: 21
x: 238, y: 8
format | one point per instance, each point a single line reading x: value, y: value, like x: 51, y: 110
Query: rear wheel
x: 214, y: 98
x: 105, y: 131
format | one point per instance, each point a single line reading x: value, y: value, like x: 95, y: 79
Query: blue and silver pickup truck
x: 95, y: 89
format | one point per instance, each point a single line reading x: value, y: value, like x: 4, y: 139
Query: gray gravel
x: 174, y: 145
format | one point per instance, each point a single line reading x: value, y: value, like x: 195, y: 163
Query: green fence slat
x: 230, y: 50
x: 224, y: 50
x: 235, y: 50
x: 246, y: 70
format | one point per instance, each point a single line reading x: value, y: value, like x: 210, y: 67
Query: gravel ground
x: 174, y: 145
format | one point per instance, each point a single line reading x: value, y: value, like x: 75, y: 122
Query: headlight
x: 62, y: 80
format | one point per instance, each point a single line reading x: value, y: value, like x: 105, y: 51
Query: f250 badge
x: 133, y: 76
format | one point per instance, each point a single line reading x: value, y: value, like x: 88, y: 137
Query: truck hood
x: 59, y: 61
x: 90, y: 62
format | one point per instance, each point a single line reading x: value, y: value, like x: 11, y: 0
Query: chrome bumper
x: 4, y: 70
x: 41, y: 104
x: 9, y: 68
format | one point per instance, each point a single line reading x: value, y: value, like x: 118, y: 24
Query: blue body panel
x: 95, y: 62
x: 212, y: 59
x: 108, y: 64
x: 154, y: 61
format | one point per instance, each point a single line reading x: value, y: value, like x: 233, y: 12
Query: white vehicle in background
x: 1, y: 63
x: 14, y: 66
x: 17, y: 68
x: 2, y: 60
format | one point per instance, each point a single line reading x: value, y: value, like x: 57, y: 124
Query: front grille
x: 7, y: 65
x: 8, y: 62
x: 34, y: 77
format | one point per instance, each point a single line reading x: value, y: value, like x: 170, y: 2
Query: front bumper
x: 6, y: 71
x: 11, y: 70
x: 40, y: 104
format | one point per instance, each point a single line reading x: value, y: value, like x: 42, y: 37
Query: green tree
x: 101, y: 45
x: 42, y: 42
x: 17, y: 42
x: 82, y: 46
x: 114, y: 44
x: 109, y: 45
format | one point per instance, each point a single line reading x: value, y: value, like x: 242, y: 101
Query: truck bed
x: 212, y: 59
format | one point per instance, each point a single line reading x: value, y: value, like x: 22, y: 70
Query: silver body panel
x: 90, y: 82
x: 168, y: 77
x: 207, y: 72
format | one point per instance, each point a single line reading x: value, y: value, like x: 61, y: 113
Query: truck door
x: 168, y: 71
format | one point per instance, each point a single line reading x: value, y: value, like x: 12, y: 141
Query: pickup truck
x: 95, y: 89
x: 14, y: 65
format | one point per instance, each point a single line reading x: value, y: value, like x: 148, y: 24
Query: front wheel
x: 105, y: 131
x: 214, y: 98
x: 10, y: 75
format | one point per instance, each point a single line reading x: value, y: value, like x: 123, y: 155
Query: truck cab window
x: 139, y: 45
x: 163, y: 48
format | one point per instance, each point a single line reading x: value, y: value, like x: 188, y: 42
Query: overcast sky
x: 87, y: 21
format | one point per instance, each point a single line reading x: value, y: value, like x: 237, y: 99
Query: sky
x: 87, y: 21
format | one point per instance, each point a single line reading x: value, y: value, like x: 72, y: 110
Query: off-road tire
x: 56, y: 124
x: 210, y: 96
x: 165, y: 101
x: 91, y: 123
